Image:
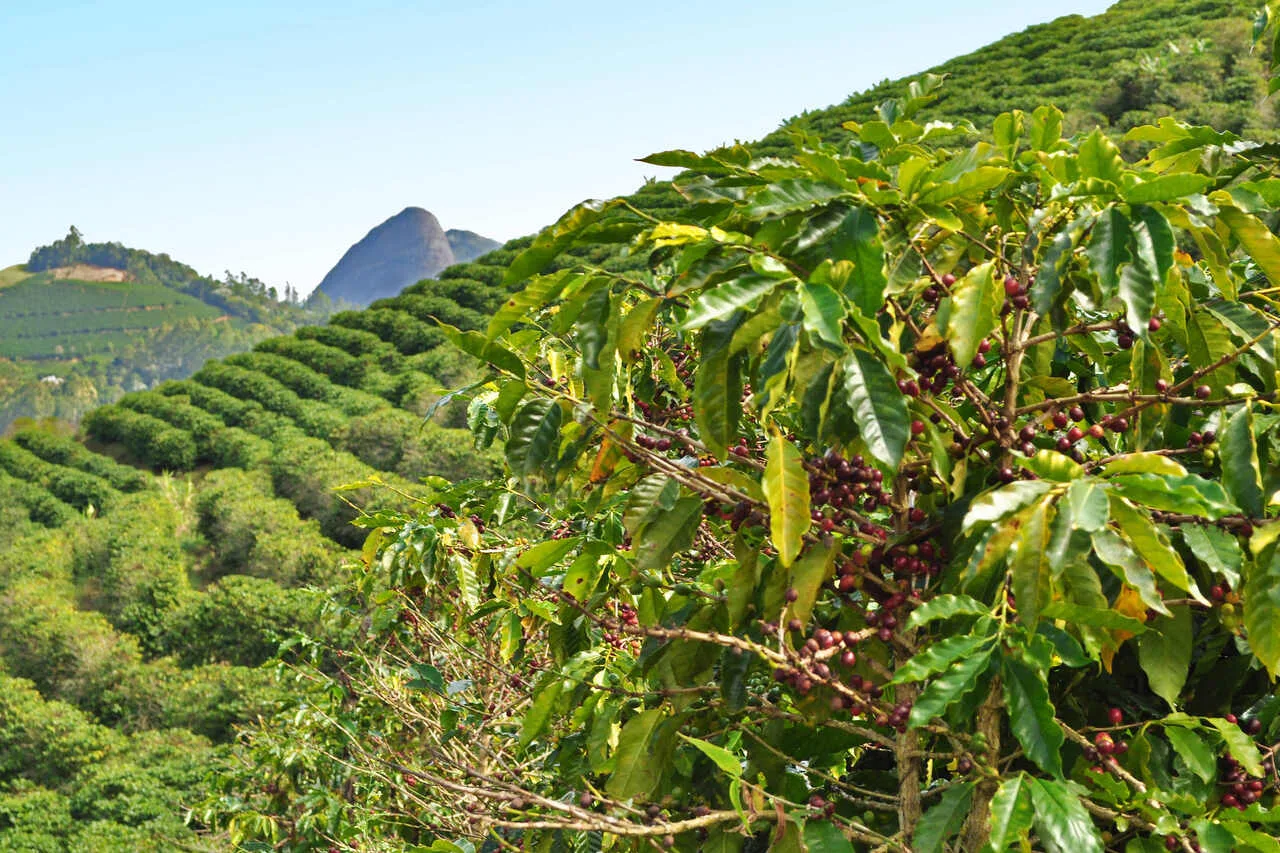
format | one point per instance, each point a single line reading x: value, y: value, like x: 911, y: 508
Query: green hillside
x: 103, y: 319
x: 151, y: 567
x: 44, y: 318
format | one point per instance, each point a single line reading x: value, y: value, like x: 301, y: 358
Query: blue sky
x: 266, y: 137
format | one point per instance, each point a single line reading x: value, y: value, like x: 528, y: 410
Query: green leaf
x: 535, y: 435
x: 938, y: 657
x: 1099, y: 158
x: 1076, y: 614
x: 722, y: 301
x: 1253, y: 234
x: 822, y: 313
x: 1262, y: 605
x: 477, y: 345
x: 1213, y: 836
x: 1187, y: 494
x: 1011, y: 812
x: 1061, y: 820
x: 717, y: 391
x: 1031, y: 715
x: 1193, y: 751
x: 639, y: 768
x: 949, y: 687
x: 946, y: 606
x: 1241, y: 473
x: 1029, y: 567
x: 858, y: 241
x: 1087, y: 502
x: 1152, y: 546
x: 974, y: 312
x: 1164, y: 652
x: 879, y: 409
x: 1144, y: 463
x: 823, y: 836
x: 581, y: 579
x: 973, y: 183
x: 536, y: 559
x: 1240, y: 745
x: 544, y: 702
x: 1151, y: 248
x: 786, y: 488
x: 791, y: 196
x: 1055, y: 466
x: 1167, y: 188
x: 671, y: 532
x: 550, y: 242
x: 808, y: 574
x: 1259, y: 842
x: 723, y: 758
x: 943, y: 819
x: 1108, y: 248
x: 425, y: 677
x: 1217, y: 549
x: 997, y: 504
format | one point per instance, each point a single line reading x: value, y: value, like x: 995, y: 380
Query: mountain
x: 130, y: 635
x: 468, y: 245
x: 82, y: 323
x: 404, y: 249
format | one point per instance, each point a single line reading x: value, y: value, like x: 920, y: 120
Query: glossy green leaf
x: 1242, y: 747
x: 723, y: 758
x: 1011, y: 812
x: 720, y: 302
x: 823, y: 836
x: 791, y: 196
x: 1086, y: 500
x: 1193, y: 751
x: 1262, y: 604
x: 1075, y: 614
x: 544, y: 702
x: 1151, y: 255
x: 535, y: 435
x: 1100, y: 158
x: 1152, y: 546
x: 808, y: 573
x: 1253, y: 234
x: 639, y: 768
x: 1031, y: 715
x: 1052, y: 465
x: 1029, y: 566
x: 1188, y: 494
x: 1144, y: 463
x: 1167, y: 188
x: 998, y: 504
x: 943, y: 819
x: 879, y: 409
x: 670, y: 532
x: 938, y: 657
x: 717, y: 391
x: 822, y: 313
x: 1164, y: 652
x: 949, y: 687
x: 1061, y: 820
x: 786, y: 488
x: 1108, y: 248
x: 1241, y: 472
x: 550, y: 242
x: 858, y: 241
x: 974, y: 312
x: 1217, y: 549
x: 945, y: 606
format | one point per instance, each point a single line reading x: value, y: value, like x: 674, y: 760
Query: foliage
x: 913, y: 497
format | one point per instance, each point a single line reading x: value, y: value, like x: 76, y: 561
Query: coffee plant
x: 919, y: 494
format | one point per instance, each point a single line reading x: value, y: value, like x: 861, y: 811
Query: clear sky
x: 266, y: 137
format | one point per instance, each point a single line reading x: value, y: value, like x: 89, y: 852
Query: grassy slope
x: 42, y: 317
x: 287, y: 424
x: 13, y: 275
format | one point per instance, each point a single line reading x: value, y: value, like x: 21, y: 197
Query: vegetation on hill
x: 139, y: 613
x: 68, y: 345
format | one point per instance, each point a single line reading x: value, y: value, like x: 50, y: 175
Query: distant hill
x: 82, y: 323
x: 404, y: 249
x: 468, y: 245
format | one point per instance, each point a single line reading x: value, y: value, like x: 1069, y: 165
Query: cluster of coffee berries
x: 841, y: 485
x: 1015, y: 296
x: 937, y: 370
x: 661, y: 444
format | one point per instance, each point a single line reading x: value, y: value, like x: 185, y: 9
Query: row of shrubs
x: 76, y: 488
x: 66, y: 451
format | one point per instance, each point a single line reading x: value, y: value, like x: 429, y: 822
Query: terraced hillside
x: 149, y: 569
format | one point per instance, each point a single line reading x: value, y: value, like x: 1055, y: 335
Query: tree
x: 920, y: 495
